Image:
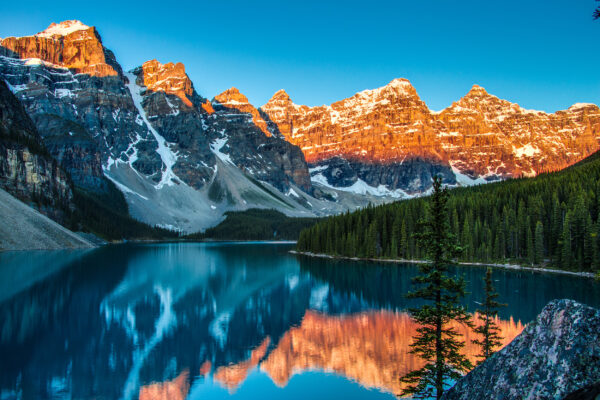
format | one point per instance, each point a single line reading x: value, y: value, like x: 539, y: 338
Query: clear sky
x: 541, y: 54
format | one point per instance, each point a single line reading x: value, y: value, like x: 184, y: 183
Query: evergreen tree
x: 488, y: 329
x: 530, y: 247
x: 495, y: 222
x: 436, y: 342
x: 566, y: 256
x: 403, y: 241
x: 539, y: 243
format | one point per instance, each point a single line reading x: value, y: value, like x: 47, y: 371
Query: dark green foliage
x: 436, y: 342
x: 495, y: 223
x: 106, y: 215
x: 257, y: 224
x: 489, y: 331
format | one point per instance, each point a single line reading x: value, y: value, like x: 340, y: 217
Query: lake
x: 225, y: 321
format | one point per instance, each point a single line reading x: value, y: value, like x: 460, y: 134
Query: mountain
x: 24, y: 228
x: 552, y: 219
x: 27, y: 170
x: 554, y: 356
x: 182, y: 161
x: 388, y: 136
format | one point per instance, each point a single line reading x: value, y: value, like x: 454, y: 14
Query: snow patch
x: 363, y: 188
x: 292, y: 192
x: 216, y: 147
x: 317, y: 169
x: 168, y: 157
x: 465, y: 180
x: 526, y: 151
x: 63, y: 29
x: 60, y: 93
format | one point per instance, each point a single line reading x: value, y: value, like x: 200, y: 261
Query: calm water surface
x: 221, y: 321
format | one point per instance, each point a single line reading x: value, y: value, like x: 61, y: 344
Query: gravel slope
x: 23, y: 228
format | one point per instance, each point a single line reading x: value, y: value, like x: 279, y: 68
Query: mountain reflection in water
x: 371, y: 348
x: 205, y: 321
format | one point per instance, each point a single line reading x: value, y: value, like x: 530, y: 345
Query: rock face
x: 27, y: 170
x: 555, y: 355
x: 69, y: 44
x: 388, y: 136
x: 229, y: 128
x: 149, y: 132
x: 23, y: 228
x: 75, y: 92
x: 252, y: 147
x: 182, y: 160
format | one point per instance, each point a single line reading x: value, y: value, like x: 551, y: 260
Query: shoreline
x: 472, y: 264
x: 155, y: 241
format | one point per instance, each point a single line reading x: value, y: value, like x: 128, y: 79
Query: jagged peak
x: 398, y: 86
x: 156, y: 66
x: 400, y: 83
x: 63, y: 28
x: 280, y: 95
x: 477, y: 90
x: 169, y: 78
x: 578, y: 106
x: 231, y: 95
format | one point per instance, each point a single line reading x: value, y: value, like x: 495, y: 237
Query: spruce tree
x: 436, y: 342
x: 488, y: 329
x: 539, y: 243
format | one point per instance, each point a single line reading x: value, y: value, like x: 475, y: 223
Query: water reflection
x: 225, y: 320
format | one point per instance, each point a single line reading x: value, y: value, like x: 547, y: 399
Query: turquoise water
x: 222, y: 320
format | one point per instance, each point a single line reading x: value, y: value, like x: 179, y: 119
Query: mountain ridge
x: 182, y: 160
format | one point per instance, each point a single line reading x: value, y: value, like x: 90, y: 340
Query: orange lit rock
x: 69, y: 44
x: 205, y: 368
x: 169, y: 78
x: 480, y: 135
x: 371, y: 348
x: 232, y: 98
x: 207, y: 106
x: 177, y: 389
x: 233, y: 375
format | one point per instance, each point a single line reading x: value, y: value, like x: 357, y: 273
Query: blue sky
x: 541, y: 54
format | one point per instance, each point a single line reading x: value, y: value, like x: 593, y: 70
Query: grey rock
x: 555, y: 355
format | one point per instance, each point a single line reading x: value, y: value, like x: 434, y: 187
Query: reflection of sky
x: 251, y: 317
x: 307, y: 385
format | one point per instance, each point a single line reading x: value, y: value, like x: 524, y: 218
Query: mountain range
x: 182, y: 160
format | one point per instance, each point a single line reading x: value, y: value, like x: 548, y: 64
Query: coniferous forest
x: 549, y: 220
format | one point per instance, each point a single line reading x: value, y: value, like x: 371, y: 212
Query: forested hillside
x: 256, y: 224
x: 551, y: 219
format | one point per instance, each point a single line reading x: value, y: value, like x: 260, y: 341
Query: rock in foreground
x: 554, y: 356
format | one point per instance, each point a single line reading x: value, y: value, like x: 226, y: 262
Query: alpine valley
x: 182, y: 161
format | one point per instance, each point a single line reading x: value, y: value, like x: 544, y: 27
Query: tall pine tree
x: 436, y: 342
x: 488, y: 329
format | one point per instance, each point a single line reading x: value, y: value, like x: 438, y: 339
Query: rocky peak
x: 477, y: 91
x: 63, y: 29
x: 399, y: 90
x: 280, y: 95
x: 169, y: 78
x: 232, y: 99
x: 69, y: 44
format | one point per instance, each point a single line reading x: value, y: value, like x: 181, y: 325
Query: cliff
x: 557, y: 354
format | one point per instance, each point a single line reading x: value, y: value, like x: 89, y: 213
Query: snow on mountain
x: 168, y: 157
x: 388, y: 136
x: 182, y: 160
x: 63, y: 29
